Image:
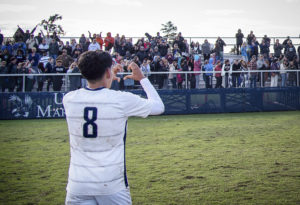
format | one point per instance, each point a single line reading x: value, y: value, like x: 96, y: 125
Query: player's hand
x: 117, y: 68
x: 136, y: 72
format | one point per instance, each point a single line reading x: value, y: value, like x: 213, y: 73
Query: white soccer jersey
x: 97, y: 121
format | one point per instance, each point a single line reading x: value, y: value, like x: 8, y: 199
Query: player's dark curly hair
x: 93, y: 64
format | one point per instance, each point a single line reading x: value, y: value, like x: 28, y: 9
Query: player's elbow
x: 157, y: 108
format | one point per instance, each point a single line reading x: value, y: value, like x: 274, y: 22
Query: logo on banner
x: 21, y: 107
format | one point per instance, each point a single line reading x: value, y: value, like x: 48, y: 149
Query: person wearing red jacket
x: 218, y: 76
x: 109, y: 42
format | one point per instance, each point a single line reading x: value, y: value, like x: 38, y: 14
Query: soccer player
x: 97, y: 122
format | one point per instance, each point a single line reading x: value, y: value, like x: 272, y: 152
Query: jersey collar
x: 96, y: 89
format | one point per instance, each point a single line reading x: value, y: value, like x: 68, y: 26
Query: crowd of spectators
x: 27, y: 53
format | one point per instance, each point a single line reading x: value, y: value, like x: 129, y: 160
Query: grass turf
x: 245, y: 158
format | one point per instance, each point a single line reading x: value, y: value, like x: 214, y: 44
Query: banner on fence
x: 49, y: 104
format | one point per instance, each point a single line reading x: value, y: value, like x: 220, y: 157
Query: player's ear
x: 108, y: 73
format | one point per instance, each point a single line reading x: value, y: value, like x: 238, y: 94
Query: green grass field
x: 246, y: 158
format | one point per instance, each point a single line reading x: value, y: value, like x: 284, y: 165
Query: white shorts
x: 121, y: 198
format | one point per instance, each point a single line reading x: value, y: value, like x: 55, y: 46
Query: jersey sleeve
x: 134, y: 105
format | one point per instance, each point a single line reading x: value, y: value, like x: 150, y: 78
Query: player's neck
x: 97, y: 84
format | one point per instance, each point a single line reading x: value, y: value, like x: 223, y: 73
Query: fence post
x: 186, y: 83
x: 261, y: 79
x: 23, y: 89
x: 298, y: 78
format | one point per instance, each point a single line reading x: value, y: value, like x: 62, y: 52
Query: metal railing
x: 186, y: 83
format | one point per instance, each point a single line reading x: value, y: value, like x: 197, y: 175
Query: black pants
x: 206, y: 56
x: 208, y: 79
x: 219, y: 82
x: 238, y: 48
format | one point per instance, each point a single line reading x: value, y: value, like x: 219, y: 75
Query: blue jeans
x: 253, y: 81
x: 283, y: 79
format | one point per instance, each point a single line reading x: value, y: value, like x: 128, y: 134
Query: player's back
x: 97, y: 126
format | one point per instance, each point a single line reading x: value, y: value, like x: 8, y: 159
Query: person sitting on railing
x: 253, y: 75
x: 274, y: 75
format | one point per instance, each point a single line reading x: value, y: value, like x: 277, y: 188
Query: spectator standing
x: 264, y: 48
x: 244, y: 52
x: 57, y: 80
x: 19, y: 80
x: 197, y: 67
x: 292, y: 75
x: 1, y: 39
x: 283, y: 67
x: 74, y: 79
x: 206, y: 49
x: 53, y: 49
x: 250, y: 38
x: 253, y: 75
x: 108, y: 42
x: 40, y: 79
x: 82, y: 40
x: 209, y: 67
x: 290, y: 51
x: 12, y: 69
x: 218, y: 75
x: 277, y: 49
x: 226, y: 70
x: 31, y: 43
x: 3, y: 80
x: 239, y: 41
x: 221, y: 45
x: 172, y: 77
x: 274, y: 75
x: 244, y: 75
x: 236, y: 75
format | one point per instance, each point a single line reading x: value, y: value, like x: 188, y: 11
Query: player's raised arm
x: 157, y: 104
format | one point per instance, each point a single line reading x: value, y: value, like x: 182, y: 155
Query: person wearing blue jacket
x: 209, y: 67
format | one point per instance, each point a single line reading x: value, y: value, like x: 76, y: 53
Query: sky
x: 133, y: 18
